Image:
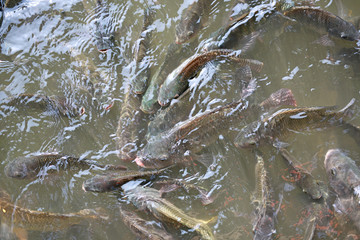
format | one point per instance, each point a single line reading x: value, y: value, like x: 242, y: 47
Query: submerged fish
x: 322, y: 20
x: 192, y: 19
x: 129, y: 127
x: 180, y: 143
x: 286, y: 120
x: 139, y: 83
x: 149, y: 198
x: 177, y: 81
x: 305, y: 180
x: 28, y: 167
x: 42, y: 221
x: 57, y: 104
x: 111, y: 181
x: 265, y: 213
x: 142, y: 228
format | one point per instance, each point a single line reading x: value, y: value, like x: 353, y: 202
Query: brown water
x: 48, y: 48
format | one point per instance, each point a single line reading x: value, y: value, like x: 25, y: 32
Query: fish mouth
x: 329, y: 156
x: 139, y: 162
x: 103, y: 50
x: 83, y: 187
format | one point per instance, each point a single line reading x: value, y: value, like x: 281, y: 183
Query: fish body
x: 139, y: 83
x: 40, y: 221
x: 176, y: 82
x: 285, y: 120
x: 350, y: 207
x: 56, y: 104
x: 192, y: 135
x: 264, y: 223
x: 111, y: 181
x: 28, y: 167
x: 323, y: 20
x: 141, y: 227
x: 191, y: 21
x: 148, y: 198
x: 129, y: 126
x: 305, y: 180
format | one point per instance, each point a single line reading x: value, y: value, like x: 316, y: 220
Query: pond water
x: 48, y: 48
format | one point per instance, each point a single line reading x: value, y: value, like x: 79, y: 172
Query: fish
x: 305, y: 180
x: 111, y: 181
x: 32, y: 220
x: 324, y: 21
x: 57, y: 104
x: 284, y: 121
x: 162, y: 209
x: 172, y: 184
x: 12, y: 3
x: 192, y: 135
x: 139, y: 82
x: 177, y: 81
x: 29, y: 167
x: 265, y: 213
x: 142, y: 228
x: 128, y: 131
x: 191, y: 21
x: 174, y: 54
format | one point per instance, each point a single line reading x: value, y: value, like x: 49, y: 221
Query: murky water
x: 49, y: 48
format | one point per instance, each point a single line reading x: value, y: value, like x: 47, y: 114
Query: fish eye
x: 333, y: 172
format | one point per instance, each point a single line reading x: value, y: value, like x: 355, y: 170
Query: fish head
x: 155, y: 154
x: 99, y: 183
x: 248, y: 136
x: 342, y: 172
x: 185, y: 30
x: 345, y: 30
x: 19, y: 169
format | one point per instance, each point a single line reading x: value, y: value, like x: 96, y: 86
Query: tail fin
x: 348, y: 110
x: 283, y: 96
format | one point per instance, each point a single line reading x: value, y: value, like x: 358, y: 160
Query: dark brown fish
x: 42, y: 221
x: 177, y: 81
x: 29, y: 167
x: 304, y: 179
x: 283, y: 121
x: 129, y: 127
x: 193, y: 134
x: 58, y: 104
x: 323, y: 21
x: 111, y: 181
x: 139, y: 83
x: 192, y: 19
x: 142, y: 228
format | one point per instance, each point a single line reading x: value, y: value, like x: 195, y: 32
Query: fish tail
x: 348, y: 110
x: 283, y: 96
x: 211, y: 221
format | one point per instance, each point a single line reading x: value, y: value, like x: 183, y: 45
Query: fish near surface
x: 42, y: 221
x: 265, y: 213
x: 142, y: 228
x: 305, y: 180
x: 283, y: 121
x: 111, y: 181
x: 177, y: 81
x: 322, y: 20
x: 191, y: 21
x: 29, y: 167
x: 129, y: 127
x: 180, y: 143
x: 149, y: 198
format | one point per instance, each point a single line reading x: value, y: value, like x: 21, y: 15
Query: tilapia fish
x: 139, y: 83
x: 29, y: 167
x: 192, y: 19
x: 142, y: 228
x: 129, y: 127
x: 265, y: 213
x: 42, y: 221
x: 177, y: 81
x: 286, y: 120
x: 323, y: 21
x: 305, y: 180
x: 192, y: 135
x: 111, y: 181
x: 58, y: 104
x: 149, y: 198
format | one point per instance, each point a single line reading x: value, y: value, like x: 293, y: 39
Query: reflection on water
x: 50, y: 48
